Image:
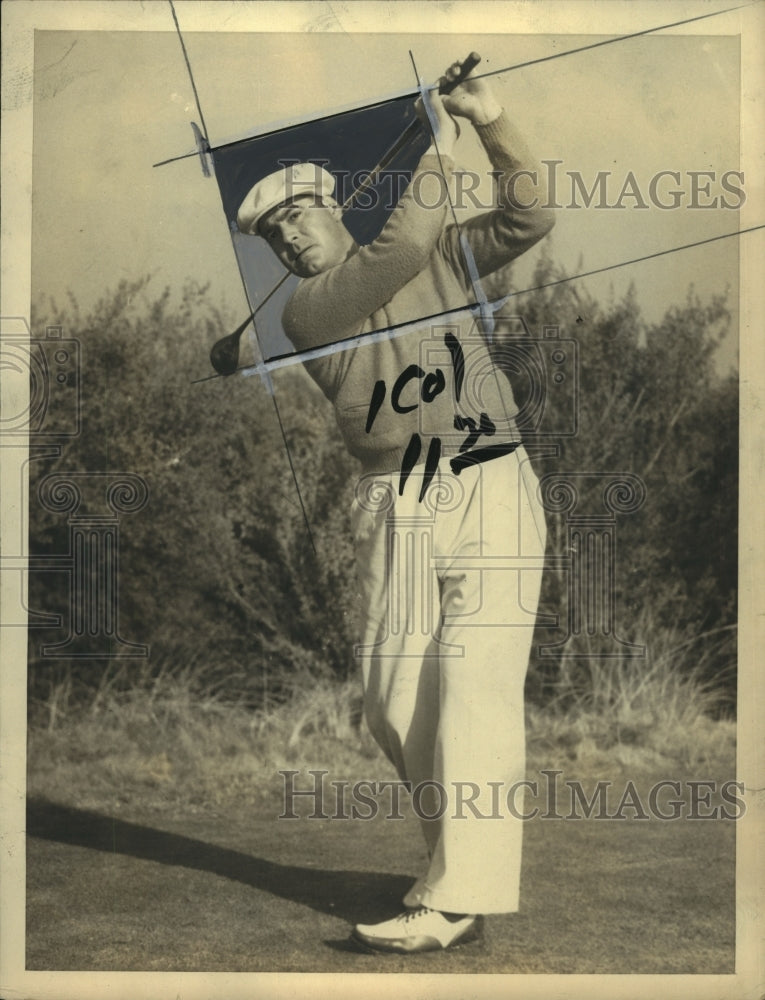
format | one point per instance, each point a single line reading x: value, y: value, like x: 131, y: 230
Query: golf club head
x: 224, y: 355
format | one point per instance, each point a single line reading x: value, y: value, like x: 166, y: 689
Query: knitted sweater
x: 413, y: 270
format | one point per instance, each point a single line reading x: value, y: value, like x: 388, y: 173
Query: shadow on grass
x: 356, y: 895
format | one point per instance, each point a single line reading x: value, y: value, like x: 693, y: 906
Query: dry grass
x: 167, y: 741
x: 666, y: 706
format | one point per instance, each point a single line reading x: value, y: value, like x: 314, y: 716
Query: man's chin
x: 311, y: 263
x: 307, y: 269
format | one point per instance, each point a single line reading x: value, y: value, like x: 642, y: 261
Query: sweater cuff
x: 495, y: 132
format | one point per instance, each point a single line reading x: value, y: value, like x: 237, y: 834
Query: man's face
x: 306, y: 236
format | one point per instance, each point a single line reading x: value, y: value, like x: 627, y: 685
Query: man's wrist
x: 489, y: 111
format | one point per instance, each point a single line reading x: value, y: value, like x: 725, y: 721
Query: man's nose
x: 290, y: 232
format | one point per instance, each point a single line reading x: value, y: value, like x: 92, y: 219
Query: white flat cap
x: 279, y: 188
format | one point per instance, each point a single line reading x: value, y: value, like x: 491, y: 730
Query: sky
x: 110, y: 103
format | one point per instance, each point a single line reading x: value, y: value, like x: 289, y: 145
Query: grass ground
x: 247, y: 893
x: 154, y: 844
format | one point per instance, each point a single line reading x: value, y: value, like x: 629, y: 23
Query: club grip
x: 469, y: 64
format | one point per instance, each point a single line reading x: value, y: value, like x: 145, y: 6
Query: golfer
x: 446, y: 517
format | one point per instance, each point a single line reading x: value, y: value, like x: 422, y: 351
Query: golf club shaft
x: 412, y: 130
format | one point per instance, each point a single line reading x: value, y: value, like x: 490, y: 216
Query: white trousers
x: 449, y: 588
